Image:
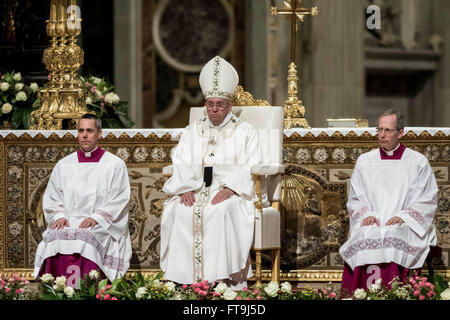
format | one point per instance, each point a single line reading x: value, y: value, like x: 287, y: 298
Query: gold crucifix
x: 297, y: 12
x: 294, y: 111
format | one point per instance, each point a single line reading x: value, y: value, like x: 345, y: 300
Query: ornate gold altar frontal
x: 63, y: 99
x: 319, y: 163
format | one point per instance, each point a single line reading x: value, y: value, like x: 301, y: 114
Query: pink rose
x: 113, y: 298
x: 19, y: 291
x: 256, y: 291
x: 324, y: 291
x: 421, y: 297
x: 205, y: 287
x: 245, y: 289
x: 416, y: 293
x: 185, y: 286
x: 238, y: 298
x: 430, y: 293
x: 107, y: 297
x: 108, y: 287
x: 196, y: 290
x: 258, y: 298
x: 332, y: 295
x: 102, y: 291
x: 98, y: 296
x: 7, y: 290
x: 216, y: 294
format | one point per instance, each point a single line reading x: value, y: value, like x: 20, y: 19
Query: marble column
x: 128, y: 55
x: 256, y: 52
x: 441, y: 97
x: 332, y: 66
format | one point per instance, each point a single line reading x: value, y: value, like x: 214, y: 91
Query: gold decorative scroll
x: 63, y: 99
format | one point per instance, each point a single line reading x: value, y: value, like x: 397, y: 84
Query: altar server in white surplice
x: 86, y: 210
x: 391, y: 204
x: 208, y: 222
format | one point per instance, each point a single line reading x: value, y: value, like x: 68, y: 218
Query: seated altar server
x: 86, y: 210
x: 208, y: 222
x: 391, y: 204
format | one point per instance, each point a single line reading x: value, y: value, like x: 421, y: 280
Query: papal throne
x: 268, y: 121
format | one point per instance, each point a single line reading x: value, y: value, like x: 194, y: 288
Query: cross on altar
x: 297, y: 12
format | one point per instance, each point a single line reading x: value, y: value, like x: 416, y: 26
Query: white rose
x: 156, y: 284
x: 221, y: 288
x: 34, y: 87
x: 170, y: 286
x: 141, y: 292
x: 360, y: 294
x: 112, y: 98
x: 47, y: 278
x: 21, y: 96
x: 96, y: 80
x: 286, y: 287
x: 68, y: 291
x: 229, y: 294
x: 93, y: 274
x: 98, y: 94
x: 61, y: 281
x: 6, y: 108
x: 19, y: 86
x: 17, y: 76
x: 4, y: 86
x: 88, y: 100
x: 445, y: 295
x: 272, y: 289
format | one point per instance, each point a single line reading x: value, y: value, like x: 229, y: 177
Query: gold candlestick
x: 53, y: 10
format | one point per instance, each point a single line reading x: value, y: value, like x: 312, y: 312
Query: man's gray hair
x: 98, y: 121
x: 400, y: 119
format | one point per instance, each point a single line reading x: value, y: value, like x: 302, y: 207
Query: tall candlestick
x: 53, y: 10
x: 62, y: 7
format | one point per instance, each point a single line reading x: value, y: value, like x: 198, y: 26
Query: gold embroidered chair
x: 268, y: 120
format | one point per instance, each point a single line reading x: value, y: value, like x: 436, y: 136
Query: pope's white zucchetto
x: 218, y: 79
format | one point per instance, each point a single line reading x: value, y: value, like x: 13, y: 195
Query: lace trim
x: 415, y: 215
x: 109, y: 261
x: 51, y: 211
x: 105, y: 215
x: 355, y: 215
x: 376, y: 244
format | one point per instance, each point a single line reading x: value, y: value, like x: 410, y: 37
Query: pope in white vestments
x: 86, y: 210
x: 208, y: 222
x: 391, y: 205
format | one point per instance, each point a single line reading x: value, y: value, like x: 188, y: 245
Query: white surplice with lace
x: 78, y: 190
x: 386, y: 188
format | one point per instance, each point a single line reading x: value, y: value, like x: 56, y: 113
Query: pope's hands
x: 188, y: 199
x: 87, y: 223
x: 370, y: 221
x: 222, y: 195
x: 395, y: 220
x: 60, y: 223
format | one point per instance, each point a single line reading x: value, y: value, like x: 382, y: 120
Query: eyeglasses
x: 219, y: 105
x: 387, y: 130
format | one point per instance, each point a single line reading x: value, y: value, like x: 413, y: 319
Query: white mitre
x: 218, y: 79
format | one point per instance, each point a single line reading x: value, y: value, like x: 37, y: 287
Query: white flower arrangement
x: 17, y: 76
x: 286, y: 287
x: 360, y: 294
x: 445, y: 295
x: 229, y: 294
x: 272, y: 289
x: 170, y: 286
x: 68, y: 291
x: 19, y: 86
x: 221, y: 288
x: 94, y: 275
x: 47, y: 278
x: 4, y: 86
x: 6, y: 108
x: 141, y: 292
x: 21, y: 96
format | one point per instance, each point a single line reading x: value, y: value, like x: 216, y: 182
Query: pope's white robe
x: 78, y: 190
x: 386, y: 188
x: 210, y: 242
